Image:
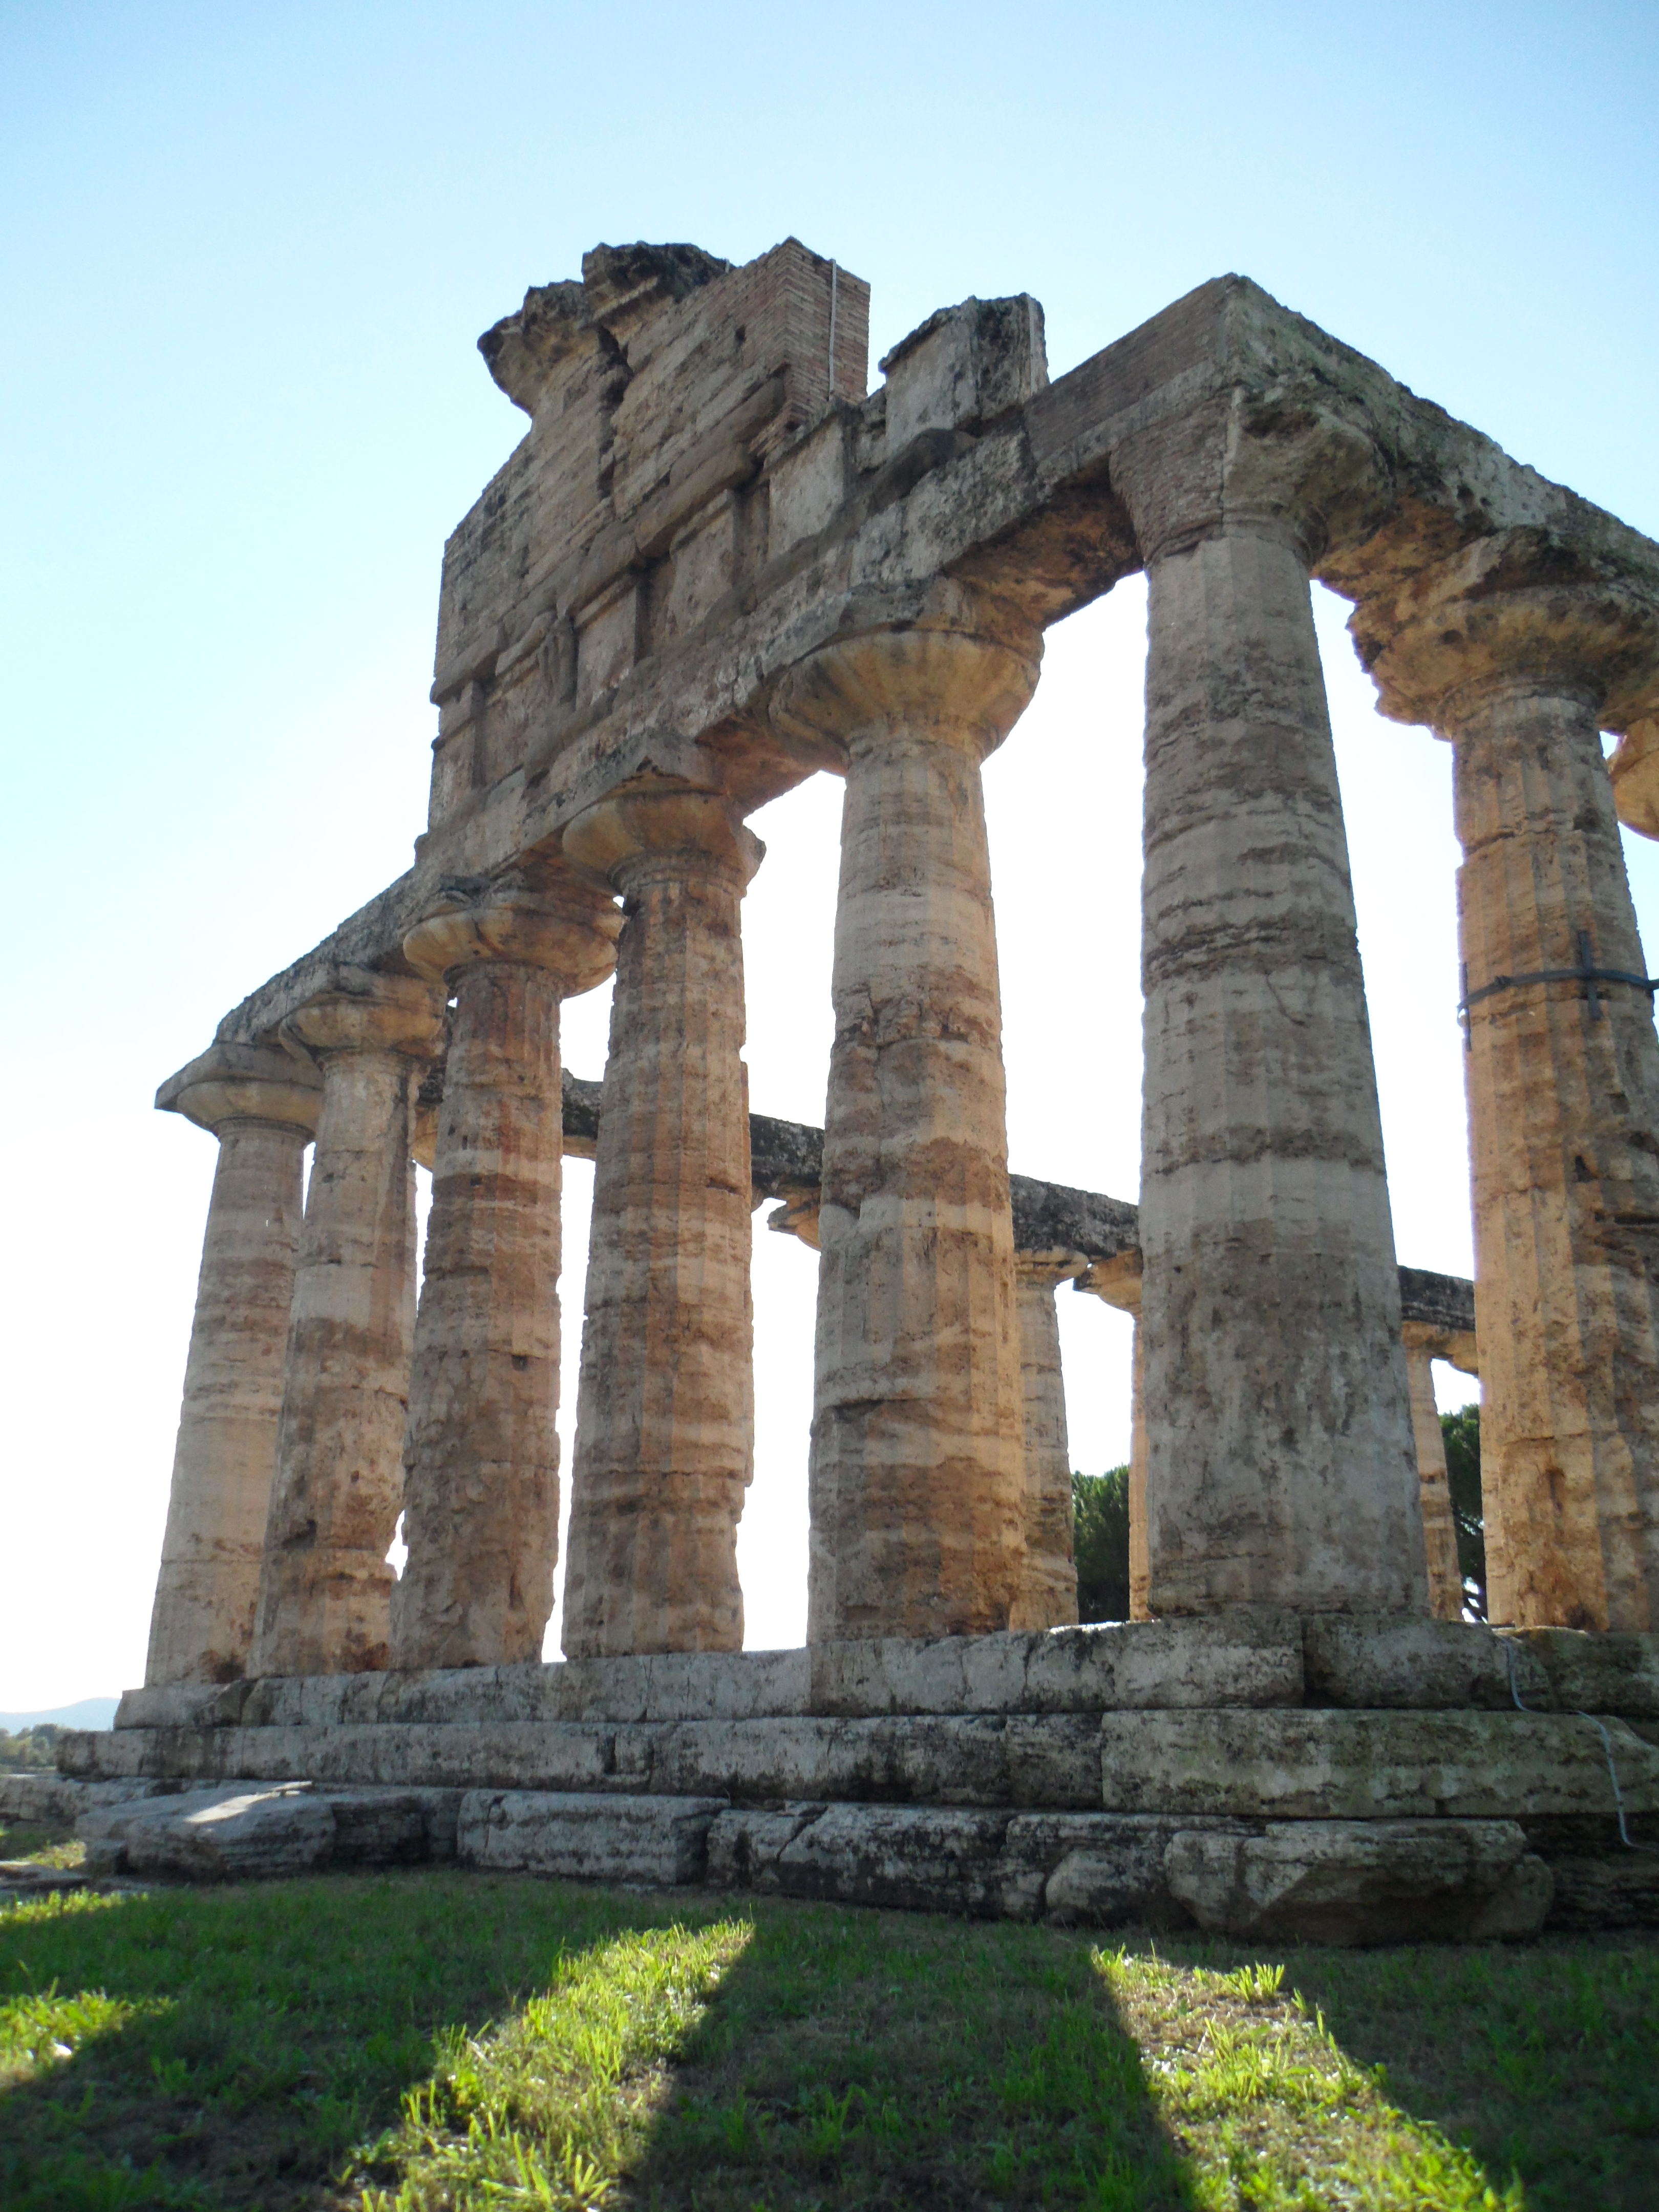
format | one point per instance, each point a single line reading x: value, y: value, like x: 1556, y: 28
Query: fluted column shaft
x: 326, y: 1585
x: 1140, y: 1567
x: 1563, y: 1116
x: 1439, y: 1530
x: 665, y: 1426
x: 1047, y: 1589
x: 1279, y: 1469
x: 481, y: 1491
x: 263, y: 1109
x: 916, y: 1480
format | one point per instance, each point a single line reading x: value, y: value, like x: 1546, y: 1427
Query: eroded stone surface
x: 916, y: 1478
x: 325, y: 1584
x: 1281, y: 1468
x: 650, y: 1839
x: 664, y: 1423
x: 1362, y: 1881
x: 262, y: 1107
x: 480, y: 1506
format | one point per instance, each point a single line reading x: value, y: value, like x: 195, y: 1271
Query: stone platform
x: 1328, y: 1778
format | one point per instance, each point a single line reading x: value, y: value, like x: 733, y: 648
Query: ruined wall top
x: 700, y: 504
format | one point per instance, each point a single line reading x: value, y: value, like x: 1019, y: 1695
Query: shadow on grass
x: 235, y: 2048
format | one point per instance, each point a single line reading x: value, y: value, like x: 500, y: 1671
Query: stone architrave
x: 481, y: 1491
x: 1048, y: 1590
x: 1516, y: 653
x: 1279, y: 1469
x: 263, y: 1108
x: 917, y: 1483
x: 665, y: 1426
x: 1439, y: 1531
x: 324, y: 1583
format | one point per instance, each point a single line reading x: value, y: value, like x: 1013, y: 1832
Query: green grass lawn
x: 441, y: 2039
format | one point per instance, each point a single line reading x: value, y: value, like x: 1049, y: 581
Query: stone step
x: 1223, y: 1660
x: 1324, y: 1764
x: 1330, y: 1882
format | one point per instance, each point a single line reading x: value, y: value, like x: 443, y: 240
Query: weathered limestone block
x: 1589, y: 1673
x: 1434, y: 1493
x: 1279, y: 1467
x: 1337, y: 1765
x: 582, y: 1838
x: 263, y: 1108
x: 665, y: 1425
x: 1236, y: 1657
x: 1048, y: 1590
x: 916, y: 1478
x: 1362, y: 1881
x: 325, y: 1582
x: 1516, y: 651
x: 1381, y: 1660
x: 481, y: 1499
x: 269, y: 1829
x: 1618, y: 1890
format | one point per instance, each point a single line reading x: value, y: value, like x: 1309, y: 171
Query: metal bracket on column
x: 1586, y: 973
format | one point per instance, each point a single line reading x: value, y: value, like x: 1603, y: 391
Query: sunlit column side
x: 324, y: 1583
x: 917, y: 1483
x: 1512, y: 654
x: 665, y: 1430
x: 263, y: 1109
x: 481, y: 1494
x: 1439, y: 1532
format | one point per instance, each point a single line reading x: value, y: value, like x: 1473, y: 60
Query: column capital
x: 1050, y: 1268
x: 244, y: 1083
x: 656, y: 829
x: 1116, y: 1281
x: 359, y: 1011
x: 570, y: 933
x: 1519, y: 610
x: 857, y: 690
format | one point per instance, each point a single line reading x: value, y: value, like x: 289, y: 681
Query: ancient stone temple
x: 714, y: 566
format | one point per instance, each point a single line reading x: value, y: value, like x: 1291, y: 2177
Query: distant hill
x: 88, y: 1713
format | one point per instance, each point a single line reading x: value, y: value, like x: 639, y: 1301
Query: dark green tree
x: 1462, y: 1431
x: 1100, y: 1516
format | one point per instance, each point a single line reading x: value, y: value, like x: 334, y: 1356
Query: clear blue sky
x: 244, y: 255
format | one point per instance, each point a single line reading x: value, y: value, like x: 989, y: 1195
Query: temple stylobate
x: 713, y: 567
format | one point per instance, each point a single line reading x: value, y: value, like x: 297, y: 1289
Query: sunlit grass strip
x: 1270, y: 2112
x: 548, y: 2108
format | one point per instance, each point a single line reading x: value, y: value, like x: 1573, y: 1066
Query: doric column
x: 664, y: 1423
x: 324, y: 1583
x: 1510, y: 651
x: 481, y: 1492
x: 263, y: 1108
x: 1047, y: 1588
x: 1117, y: 1282
x: 1439, y: 1532
x: 916, y: 1485
x: 1279, y: 1468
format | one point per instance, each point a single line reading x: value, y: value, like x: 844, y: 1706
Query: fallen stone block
x: 225, y: 1835
x: 1370, y: 1765
x: 1362, y: 1881
x: 246, y: 1830
x: 587, y: 1838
